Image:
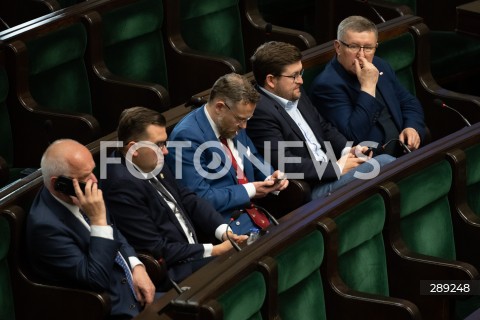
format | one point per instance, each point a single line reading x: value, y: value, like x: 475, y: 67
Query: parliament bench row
x: 378, y: 240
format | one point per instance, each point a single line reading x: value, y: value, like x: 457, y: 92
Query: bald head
x: 66, y: 157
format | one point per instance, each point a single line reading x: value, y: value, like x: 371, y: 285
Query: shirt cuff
x: 207, y: 250
x: 250, y: 188
x: 221, y: 229
x: 101, y: 231
x: 134, y: 261
x: 346, y: 150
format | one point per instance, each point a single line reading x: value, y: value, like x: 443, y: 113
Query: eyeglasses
x: 240, y: 120
x: 354, y: 48
x: 295, y: 77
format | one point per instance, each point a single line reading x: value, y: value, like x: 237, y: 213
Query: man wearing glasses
x: 287, y: 126
x: 219, y: 161
x: 360, y: 94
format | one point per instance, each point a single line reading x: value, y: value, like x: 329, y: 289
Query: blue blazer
x: 150, y: 225
x: 271, y: 123
x: 337, y: 95
x: 62, y: 251
x: 223, y: 192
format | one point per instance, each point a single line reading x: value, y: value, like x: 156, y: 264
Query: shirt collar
x: 212, y: 124
x: 286, y: 104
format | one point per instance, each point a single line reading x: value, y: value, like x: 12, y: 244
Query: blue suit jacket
x: 62, y: 251
x: 337, y: 95
x: 149, y: 224
x: 223, y: 191
x: 271, y: 123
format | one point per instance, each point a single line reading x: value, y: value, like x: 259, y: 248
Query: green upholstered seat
x: 244, y: 300
x: 133, y: 44
x: 473, y: 178
x: 213, y: 26
x: 400, y: 60
x: 300, y: 289
x: 361, y: 252
x: 58, y: 77
x: 425, y: 211
x: 6, y: 298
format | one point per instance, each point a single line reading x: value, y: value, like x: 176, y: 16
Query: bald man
x: 71, y: 240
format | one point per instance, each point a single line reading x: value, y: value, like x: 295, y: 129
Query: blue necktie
x: 120, y: 261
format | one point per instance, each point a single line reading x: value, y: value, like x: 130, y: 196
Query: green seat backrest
x: 300, y: 289
x: 133, y: 42
x: 473, y: 178
x: 400, y: 53
x: 245, y: 299
x: 309, y: 75
x: 58, y: 77
x: 6, y: 296
x: 361, y: 253
x: 426, y: 222
x: 214, y: 27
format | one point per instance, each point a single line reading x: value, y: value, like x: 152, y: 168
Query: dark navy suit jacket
x: 223, y: 191
x: 337, y: 95
x: 272, y: 124
x: 62, y: 251
x: 150, y: 225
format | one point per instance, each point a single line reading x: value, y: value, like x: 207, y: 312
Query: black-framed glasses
x: 354, y: 48
x: 295, y: 77
x: 239, y: 119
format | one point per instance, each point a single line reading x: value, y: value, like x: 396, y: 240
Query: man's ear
x: 270, y: 81
x: 128, y: 146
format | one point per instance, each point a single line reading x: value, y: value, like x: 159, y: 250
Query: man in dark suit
x: 153, y: 212
x: 71, y: 240
x: 360, y: 94
x: 230, y: 105
x: 287, y: 125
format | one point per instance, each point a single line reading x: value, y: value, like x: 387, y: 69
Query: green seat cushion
x: 244, y: 300
x: 300, y: 287
x: 6, y: 298
x: 426, y: 223
x: 473, y: 178
x: 361, y: 256
x: 133, y: 43
x: 214, y: 27
x: 453, y: 53
x: 58, y: 76
x: 400, y: 60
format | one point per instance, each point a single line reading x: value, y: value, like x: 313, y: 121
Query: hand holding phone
x: 65, y: 185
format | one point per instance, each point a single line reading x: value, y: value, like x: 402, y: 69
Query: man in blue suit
x: 360, y: 94
x: 287, y: 126
x: 153, y: 212
x: 205, y: 164
x: 71, y: 240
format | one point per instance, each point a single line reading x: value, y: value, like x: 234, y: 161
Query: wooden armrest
x: 156, y: 269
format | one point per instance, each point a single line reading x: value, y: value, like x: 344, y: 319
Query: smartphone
x: 277, y: 180
x: 369, y: 149
x: 65, y: 185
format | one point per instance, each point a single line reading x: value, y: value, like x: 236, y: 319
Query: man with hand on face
x: 153, y: 212
x: 71, y: 240
x: 219, y: 126
x: 360, y: 94
x: 287, y: 126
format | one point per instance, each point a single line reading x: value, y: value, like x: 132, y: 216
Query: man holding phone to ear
x: 71, y: 239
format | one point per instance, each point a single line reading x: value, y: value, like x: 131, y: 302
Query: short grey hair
x: 356, y: 24
x: 53, y: 166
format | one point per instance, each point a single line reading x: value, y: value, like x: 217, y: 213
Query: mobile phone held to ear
x: 65, y: 185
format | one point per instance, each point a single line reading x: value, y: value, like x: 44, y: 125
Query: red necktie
x: 256, y: 215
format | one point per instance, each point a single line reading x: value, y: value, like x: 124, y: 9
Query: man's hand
x: 91, y: 202
x: 410, y: 137
x: 349, y: 162
x: 144, y: 288
x: 221, y: 248
x: 367, y: 75
x: 234, y: 237
x: 281, y: 184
